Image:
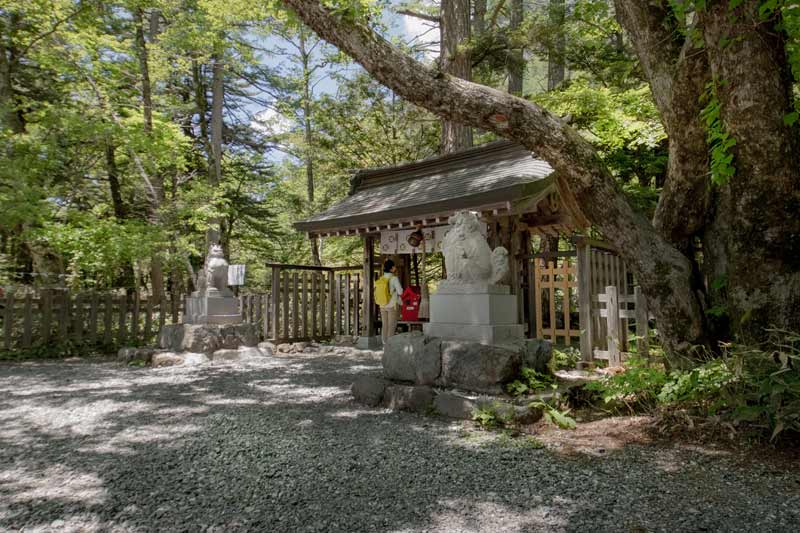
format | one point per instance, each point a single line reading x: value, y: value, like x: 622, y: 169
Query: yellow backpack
x: 383, y: 293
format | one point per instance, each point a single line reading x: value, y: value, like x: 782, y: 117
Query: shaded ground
x: 277, y: 445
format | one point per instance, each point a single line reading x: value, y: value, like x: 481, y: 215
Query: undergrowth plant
x: 756, y: 387
x: 530, y: 381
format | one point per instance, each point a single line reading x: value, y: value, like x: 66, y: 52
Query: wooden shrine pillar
x: 585, y: 300
x: 369, y: 293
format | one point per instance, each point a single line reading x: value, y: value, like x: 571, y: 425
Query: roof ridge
x: 371, y: 177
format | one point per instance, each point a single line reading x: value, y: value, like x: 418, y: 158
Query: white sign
x: 235, y: 275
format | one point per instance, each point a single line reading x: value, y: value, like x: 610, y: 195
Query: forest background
x: 133, y: 128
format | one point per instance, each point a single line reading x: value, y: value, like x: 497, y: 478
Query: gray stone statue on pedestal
x: 473, y: 303
x: 213, y: 302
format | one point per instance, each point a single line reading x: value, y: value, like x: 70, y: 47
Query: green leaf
x: 790, y: 118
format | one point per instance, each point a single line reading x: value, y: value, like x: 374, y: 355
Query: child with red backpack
x: 387, y: 295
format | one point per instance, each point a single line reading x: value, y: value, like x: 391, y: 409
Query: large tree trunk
x: 754, y: 241
x: 454, y: 27
x: 478, y: 17
x: 215, y: 156
x: 309, y: 138
x: 664, y: 273
x: 556, y: 71
x: 156, y: 271
x: 120, y: 211
x: 12, y: 117
x: 516, y: 65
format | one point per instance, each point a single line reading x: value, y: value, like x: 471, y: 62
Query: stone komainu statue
x: 467, y: 255
x: 216, y: 271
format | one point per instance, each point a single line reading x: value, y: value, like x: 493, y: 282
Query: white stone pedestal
x: 481, y: 313
x: 212, y: 310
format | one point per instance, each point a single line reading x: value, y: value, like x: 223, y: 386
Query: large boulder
x: 412, y: 357
x: 418, y: 399
x: 454, y: 405
x: 536, y: 354
x: 129, y: 354
x: 478, y: 367
x: 368, y: 390
x: 207, y: 338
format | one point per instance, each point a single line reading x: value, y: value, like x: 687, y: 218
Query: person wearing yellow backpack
x: 387, y: 295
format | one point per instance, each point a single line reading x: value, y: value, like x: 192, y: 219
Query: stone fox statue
x: 467, y: 255
x: 216, y: 271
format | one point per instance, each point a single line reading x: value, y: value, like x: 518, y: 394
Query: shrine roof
x: 491, y: 176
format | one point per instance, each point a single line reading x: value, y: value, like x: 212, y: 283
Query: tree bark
x: 478, y: 17
x: 156, y: 271
x: 664, y: 273
x: 556, y: 71
x: 309, y: 138
x: 215, y: 156
x: 455, y: 60
x: 516, y: 65
x: 120, y: 211
x: 754, y: 242
x: 677, y: 73
x: 9, y: 106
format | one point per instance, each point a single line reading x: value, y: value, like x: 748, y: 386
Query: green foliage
x: 554, y: 415
x: 531, y: 381
x: 638, y: 386
x: 491, y: 416
x: 564, y: 358
x: 754, y: 386
x: 719, y: 141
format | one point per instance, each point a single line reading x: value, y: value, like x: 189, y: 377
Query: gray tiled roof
x: 493, y: 173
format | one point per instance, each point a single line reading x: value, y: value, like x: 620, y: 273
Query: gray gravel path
x: 277, y: 445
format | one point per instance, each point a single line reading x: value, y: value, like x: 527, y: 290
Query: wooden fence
x: 616, y: 309
x: 307, y: 302
x: 555, y: 280
x: 60, y: 316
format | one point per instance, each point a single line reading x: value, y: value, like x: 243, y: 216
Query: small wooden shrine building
x: 518, y: 198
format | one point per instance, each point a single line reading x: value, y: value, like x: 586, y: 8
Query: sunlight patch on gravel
x: 55, y: 482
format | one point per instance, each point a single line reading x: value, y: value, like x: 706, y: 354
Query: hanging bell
x: 415, y: 238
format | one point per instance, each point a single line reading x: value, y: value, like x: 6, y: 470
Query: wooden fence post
x: 107, y: 319
x: 286, y: 305
x: 123, y: 311
x: 642, y: 332
x: 612, y: 307
x: 585, y: 301
x: 46, y: 304
x: 77, y: 324
x: 27, y: 322
x: 331, y: 332
x: 8, y: 320
x: 93, y: 319
x: 295, y: 305
x: 63, y: 327
x: 276, y: 291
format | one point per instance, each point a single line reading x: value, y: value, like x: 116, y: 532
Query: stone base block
x: 213, y: 310
x: 408, y: 398
x: 483, y: 334
x: 207, y: 338
x: 369, y: 343
x: 478, y: 309
x: 451, y: 287
x: 412, y: 357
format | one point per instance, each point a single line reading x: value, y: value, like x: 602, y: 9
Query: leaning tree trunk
x: 305, y: 57
x: 556, y: 71
x: 664, y: 273
x: 454, y: 26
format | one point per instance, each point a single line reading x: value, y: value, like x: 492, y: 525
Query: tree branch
x: 417, y: 15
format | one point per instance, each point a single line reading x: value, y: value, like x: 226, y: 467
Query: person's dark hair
x: 388, y: 265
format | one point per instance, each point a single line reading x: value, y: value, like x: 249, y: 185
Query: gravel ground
x: 278, y: 445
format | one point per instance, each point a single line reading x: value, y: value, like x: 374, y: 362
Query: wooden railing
x: 52, y: 317
x: 616, y: 310
x: 310, y: 302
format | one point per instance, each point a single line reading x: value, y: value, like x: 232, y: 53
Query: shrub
x: 746, y: 385
x: 566, y: 357
x: 530, y: 381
